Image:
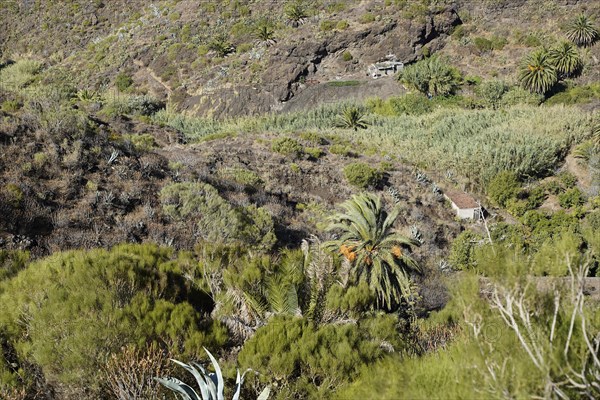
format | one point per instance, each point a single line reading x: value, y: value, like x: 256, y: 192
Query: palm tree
x: 566, y: 59
x: 375, y: 250
x: 582, y: 31
x: 443, y: 78
x: 352, y: 118
x: 537, y: 73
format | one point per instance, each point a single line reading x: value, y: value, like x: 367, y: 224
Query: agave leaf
x: 264, y: 395
x: 239, y: 381
x: 218, y: 373
x: 174, y: 384
x: 199, y: 378
x: 211, y: 390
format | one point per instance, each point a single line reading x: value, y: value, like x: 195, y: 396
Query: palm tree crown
x: 375, y: 251
x: 565, y: 59
x: 537, y: 73
x: 582, y: 31
x: 352, y: 117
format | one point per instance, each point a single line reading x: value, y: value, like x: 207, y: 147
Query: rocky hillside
x: 235, y: 58
x: 220, y: 58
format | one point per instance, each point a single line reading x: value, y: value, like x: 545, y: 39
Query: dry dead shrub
x: 130, y: 374
x: 12, y: 393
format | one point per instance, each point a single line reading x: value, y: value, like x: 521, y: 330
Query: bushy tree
x: 376, y: 252
x: 566, y: 59
x: 432, y: 76
x: 537, y: 72
x: 582, y: 31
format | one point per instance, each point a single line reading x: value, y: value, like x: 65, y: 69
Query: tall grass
x: 19, y: 75
x: 476, y: 144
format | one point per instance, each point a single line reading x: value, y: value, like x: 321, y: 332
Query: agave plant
x: 352, y: 118
x: 210, y: 385
x: 566, y: 59
x: 296, y: 13
x: 221, y: 46
x: 582, y: 31
x: 265, y: 33
x: 537, y: 73
x: 375, y: 250
x: 596, y: 136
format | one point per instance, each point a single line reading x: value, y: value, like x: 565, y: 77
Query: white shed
x: 464, y: 204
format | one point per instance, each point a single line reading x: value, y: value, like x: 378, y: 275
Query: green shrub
x: 242, y: 176
x: 83, y: 306
x: 13, y: 194
x: 459, y: 32
x: 567, y: 179
x: 313, y: 137
x: 491, y: 91
x: 367, y: 18
x: 551, y: 187
x: 462, y: 252
x: 141, y: 142
x: 287, y: 146
x: 20, y: 75
x: 482, y: 44
x: 347, y: 56
x: 342, y: 25
x: 307, y: 361
x: 503, y: 187
x: 327, y: 25
x: 362, y: 175
x: 10, y: 106
x: 343, y: 83
x: 572, y: 197
x: 217, y: 220
x: 123, y: 81
x: 11, y: 262
x: 517, y: 95
x: 580, y: 94
x: 341, y: 149
x: 410, y: 104
x: 314, y: 152
x: 530, y: 40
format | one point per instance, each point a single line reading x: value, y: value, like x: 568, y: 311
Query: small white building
x: 464, y: 204
x: 387, y: 67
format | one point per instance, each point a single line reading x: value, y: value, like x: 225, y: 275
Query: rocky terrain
x: 168, y: 48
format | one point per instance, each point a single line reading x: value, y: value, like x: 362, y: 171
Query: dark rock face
x: 292, y: 64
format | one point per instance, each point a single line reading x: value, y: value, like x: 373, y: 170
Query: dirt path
x: 148, y: 72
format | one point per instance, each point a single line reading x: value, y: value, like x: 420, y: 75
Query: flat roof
x: 461, y: 199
